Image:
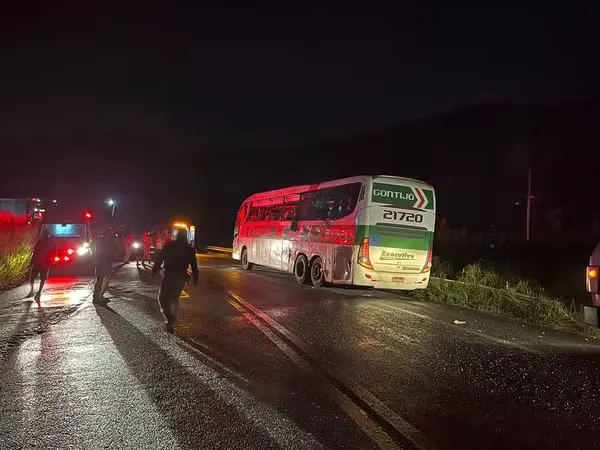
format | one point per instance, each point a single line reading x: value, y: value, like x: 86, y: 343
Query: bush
x: 16, y: 245
x: 483, y: 289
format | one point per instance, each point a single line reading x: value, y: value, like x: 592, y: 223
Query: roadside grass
x: 482, y: 289
x: 16, y: 245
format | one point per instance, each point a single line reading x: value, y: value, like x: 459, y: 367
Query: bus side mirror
x: 294, y: 225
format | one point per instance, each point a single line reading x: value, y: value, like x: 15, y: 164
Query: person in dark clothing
x: 104, y: 256
x: 177, y: 256
x: 40, y: 264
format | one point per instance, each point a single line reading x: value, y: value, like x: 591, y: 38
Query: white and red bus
x: 365, y: 230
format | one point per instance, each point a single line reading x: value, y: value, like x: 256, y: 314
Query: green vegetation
x: 482, y: 289
x: 16, y: 245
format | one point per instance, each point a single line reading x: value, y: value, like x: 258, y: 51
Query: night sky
x: 141, y: 102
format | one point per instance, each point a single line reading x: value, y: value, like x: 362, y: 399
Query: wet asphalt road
x: 21, y: 318
x: 304, y: 367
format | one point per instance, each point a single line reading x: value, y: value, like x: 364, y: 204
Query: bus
x: 374, y: 231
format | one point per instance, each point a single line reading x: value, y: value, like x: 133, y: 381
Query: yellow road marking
x: 357, y: 414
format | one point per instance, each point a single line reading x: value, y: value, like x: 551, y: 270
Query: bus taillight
x: 592, y: 279
x: 427, y: 266
x: 363, y: 254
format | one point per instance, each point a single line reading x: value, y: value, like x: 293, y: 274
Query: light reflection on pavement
x: 296, y: 351
x: 21, y: 317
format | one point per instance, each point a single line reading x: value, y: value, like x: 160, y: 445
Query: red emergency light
x: 87, y: 215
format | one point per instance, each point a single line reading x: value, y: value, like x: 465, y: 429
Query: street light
x: 110, y: 202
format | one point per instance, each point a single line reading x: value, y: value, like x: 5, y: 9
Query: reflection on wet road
x: 21, y: 317
x: 406, y: 365
x: 290, y: 366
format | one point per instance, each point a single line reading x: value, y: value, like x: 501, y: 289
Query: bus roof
x: 300, y: 189
x: 311, y: 187
x: 405, y: 179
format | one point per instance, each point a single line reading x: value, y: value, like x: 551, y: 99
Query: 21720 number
x: 402, y: 216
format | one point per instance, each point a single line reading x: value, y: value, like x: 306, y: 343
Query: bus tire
x: 246, y: 264
x: 301, y: 269
x: 317, y: 274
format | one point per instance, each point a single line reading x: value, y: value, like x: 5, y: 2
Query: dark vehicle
x: 71, y: 235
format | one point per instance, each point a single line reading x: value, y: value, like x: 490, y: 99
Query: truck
x: 24, y: 210
x: 169, y: 232
x: 72, y: 238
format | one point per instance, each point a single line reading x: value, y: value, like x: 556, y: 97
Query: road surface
x: 258, y: 361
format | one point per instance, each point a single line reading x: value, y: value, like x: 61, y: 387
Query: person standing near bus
x: 128, y: 247
x: 177, y: 256
x: 147, y: 242
x: 40, y: 264
x: 104, y: 256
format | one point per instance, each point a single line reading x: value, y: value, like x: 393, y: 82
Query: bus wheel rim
x: 317, y: 270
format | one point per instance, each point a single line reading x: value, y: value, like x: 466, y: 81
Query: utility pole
x: 113, y: 204
x: 529, y: 198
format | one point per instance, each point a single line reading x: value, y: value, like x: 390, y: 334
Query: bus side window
x: 252, y: 213
x: 362, y: 193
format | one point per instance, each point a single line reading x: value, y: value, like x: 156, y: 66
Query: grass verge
x: 482, y: 289
x: 16, y: 245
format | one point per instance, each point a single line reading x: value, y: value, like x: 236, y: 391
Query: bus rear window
x: 65, y: 230
x: 329, y: 203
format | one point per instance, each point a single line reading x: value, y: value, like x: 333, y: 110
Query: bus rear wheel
x: 246, y: 264
x: 301, y: 270
x: 317, y: 275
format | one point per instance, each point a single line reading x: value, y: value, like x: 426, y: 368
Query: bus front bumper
x: 389, y: 280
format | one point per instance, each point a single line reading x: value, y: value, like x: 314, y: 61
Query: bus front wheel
x: 317, y: 275
x: 301, y: 270
x: 246, y: 264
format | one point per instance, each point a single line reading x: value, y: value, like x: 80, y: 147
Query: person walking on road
x: 105, y: 254
x: 177, y: 256
x: 40, y: 264
x: 159, y: 241
x: 128, y: 247
x: 167, y: 238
